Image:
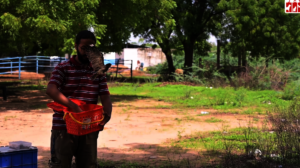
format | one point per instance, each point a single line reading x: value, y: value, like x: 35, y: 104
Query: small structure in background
x: 146, y: 56
x: 54, y: 61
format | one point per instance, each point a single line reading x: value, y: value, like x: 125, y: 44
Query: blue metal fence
x: 37, y: 62
x: 11, y: 62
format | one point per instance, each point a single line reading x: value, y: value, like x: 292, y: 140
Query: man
x: 138, y: 65
x: 142, y: 66
x: 71, y: 79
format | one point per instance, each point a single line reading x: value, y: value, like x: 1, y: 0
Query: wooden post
x: 131, y: 70
x: 117, y: 68
x: 4, y: 93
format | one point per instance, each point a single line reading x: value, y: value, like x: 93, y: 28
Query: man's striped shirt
x: 74, y: 81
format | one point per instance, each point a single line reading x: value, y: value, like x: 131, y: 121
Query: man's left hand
x: 105, y: 120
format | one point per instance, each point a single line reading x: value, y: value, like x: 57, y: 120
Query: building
x: 147, y: 56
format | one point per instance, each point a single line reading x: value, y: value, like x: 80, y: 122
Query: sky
x: 211, y: 39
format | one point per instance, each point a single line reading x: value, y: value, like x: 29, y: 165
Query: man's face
x: 80, y: 50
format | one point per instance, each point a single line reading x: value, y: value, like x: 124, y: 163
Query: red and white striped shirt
x: 74, y: 81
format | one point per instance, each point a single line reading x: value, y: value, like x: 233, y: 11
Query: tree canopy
x: 261, y: 27
x: 30, y: 25
x: 50, y: 26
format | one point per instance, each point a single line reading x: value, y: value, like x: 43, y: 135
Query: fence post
x: 37, y: 65
x: 11, y: 67
x: 19, y: 67
x: 131, y: 70
x: 117, y: 68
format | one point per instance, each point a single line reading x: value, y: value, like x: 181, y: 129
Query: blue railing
x: 37, y: 61
x: 11, y: 61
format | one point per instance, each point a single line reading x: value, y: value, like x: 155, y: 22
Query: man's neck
x: 77, y: 60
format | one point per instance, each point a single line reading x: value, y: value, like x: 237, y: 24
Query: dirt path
x: 134, y: 132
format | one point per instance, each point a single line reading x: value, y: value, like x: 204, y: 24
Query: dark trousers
x: 64, y: 146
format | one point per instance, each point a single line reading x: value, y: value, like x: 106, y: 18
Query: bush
x: 286, y: 126
x: 291, y: 91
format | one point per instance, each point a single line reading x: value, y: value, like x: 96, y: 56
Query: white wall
x: 157, y: 56
x: 111, y: 55
x: 130, y: 54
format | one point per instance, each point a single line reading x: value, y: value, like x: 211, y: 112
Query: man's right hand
x: 58, y: 97
x: 75, y: 108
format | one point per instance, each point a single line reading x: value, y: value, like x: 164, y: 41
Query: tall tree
x: 263, y: 28
x: 156, y: 25
x: 193, y: 20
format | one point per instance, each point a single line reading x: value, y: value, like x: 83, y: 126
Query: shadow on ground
x: 33, y: 98
x: 128, y: 98
x: 153, y: 155
x: 24, y: 100
x: 141, y: 154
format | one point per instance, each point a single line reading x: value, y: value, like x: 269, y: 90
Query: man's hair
x: 85, y: 34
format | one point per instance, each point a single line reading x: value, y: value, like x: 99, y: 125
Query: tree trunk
x: 244, y: 61
x: 188, y: 57
x: 218, y: 53
x: 200, y: 63
x: 167, y: 51
x: 239, y: 59
x: 170, y: 61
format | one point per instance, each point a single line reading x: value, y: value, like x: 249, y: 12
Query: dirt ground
x: 123, y: 71
x: 24, y: 75
x: 136, y: 131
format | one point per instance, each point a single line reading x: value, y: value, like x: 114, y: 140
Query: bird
x: 97, y: 60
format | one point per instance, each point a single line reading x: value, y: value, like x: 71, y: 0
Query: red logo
x: 292, y: 6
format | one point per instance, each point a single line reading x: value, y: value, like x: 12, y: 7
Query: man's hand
x: 107, y: 108
x: 58, y: 97
x: 75, y: 108
x: 105, y: 120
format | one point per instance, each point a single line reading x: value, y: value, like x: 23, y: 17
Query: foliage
x: 261, y: 28
x: 48, y: 26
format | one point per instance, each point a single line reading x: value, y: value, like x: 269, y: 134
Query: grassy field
x: 223, y: 99
x: 226, y: 100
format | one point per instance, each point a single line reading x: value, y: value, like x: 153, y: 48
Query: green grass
x: 213, y: 120
x: 198, y: 97
x: 28, y: 87
x: 238, y: 139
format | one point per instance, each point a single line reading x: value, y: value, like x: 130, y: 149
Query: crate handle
x: 82, y: 122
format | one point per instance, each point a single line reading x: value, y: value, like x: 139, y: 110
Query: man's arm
x: 58, y: 97
x: 107, y: 107
x: 56, y: 80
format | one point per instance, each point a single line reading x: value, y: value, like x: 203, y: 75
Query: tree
x: 194, y: 20
x: 157, y: 26
x: 191, y: 21
x: 263, y: 28
x: 48, y: 26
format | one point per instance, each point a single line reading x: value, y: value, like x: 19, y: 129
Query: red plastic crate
x: 84, y: 122
x: 59, y: 107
